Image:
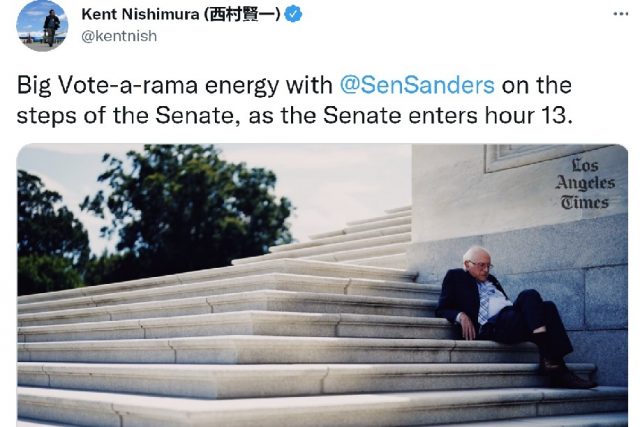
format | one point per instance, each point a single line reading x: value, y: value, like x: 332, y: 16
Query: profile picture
x: 42, y: 25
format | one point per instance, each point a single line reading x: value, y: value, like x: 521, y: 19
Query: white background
x: 581, y: 41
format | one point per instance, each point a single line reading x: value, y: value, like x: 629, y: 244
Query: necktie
x: 483, y: 313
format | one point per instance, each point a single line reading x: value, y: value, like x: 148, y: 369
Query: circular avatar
x: 42, y: 25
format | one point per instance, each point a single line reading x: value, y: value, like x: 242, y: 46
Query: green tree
x: 44, y: 273
x: 53, y: 246
x: 181, y: 207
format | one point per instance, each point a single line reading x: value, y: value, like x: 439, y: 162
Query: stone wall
x: 575, y: 257
x: 466, y: 190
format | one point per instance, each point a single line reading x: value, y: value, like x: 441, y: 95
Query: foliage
x: 109, y: 268
x: 43, y: 273
x: 181, y: 207
x: 51, y: 241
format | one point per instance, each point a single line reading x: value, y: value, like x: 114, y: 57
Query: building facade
x: 554, y: 217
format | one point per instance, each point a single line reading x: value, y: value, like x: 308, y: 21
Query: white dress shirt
x: 497, y: 300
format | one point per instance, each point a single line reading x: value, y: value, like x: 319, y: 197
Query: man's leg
x: 510, y: 327
x: 543, y: 317
x: 551, y: 338
x: 556, y: 332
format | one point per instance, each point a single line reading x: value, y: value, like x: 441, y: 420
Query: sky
x: 329, y: 184
x: 31, y: 19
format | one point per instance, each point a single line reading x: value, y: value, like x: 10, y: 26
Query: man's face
x: 478, y: 266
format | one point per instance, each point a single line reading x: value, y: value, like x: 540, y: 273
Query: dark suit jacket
x: 460, y: 293
x: 55, y: 19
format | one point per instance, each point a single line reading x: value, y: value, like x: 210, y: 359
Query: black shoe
x: 568, y: 379
x: 551, y: 367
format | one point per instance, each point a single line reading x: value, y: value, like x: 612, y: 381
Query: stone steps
x: 364, y: 227
x: 399, y: 229
x: 290, y: 266
x: 359, y: 254
x: 333, y: 248
x: 246, y: 323
x: 607, y: 419
x: 386, y: 261
x: 393, y: 215
x: 382, y: 409
x: 400, y: 209
x: 33, y: 423
x: 370, y: 242
x: 270, y: 281
x: 308, y: 302
x: 282, y: 341
x: 242, y: 349
x: 250, y: 381
x: 340, y: 252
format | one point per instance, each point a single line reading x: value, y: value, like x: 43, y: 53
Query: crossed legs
x: 530, y: 313
x: 532, y: 319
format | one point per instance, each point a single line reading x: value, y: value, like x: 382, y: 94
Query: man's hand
x: 468, y: 330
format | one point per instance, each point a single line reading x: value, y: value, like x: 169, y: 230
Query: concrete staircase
x: 378, y: 242
x: 284, y: 339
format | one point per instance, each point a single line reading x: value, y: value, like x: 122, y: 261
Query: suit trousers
x: 516, y: 323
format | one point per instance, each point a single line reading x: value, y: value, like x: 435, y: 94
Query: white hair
x: 471, y: 252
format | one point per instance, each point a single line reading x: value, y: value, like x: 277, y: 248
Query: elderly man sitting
x: 475, y: 300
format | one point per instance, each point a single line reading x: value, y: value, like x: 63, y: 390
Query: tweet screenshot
x: 320, y: 213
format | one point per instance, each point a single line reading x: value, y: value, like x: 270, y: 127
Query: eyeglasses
x: 482, y: 265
